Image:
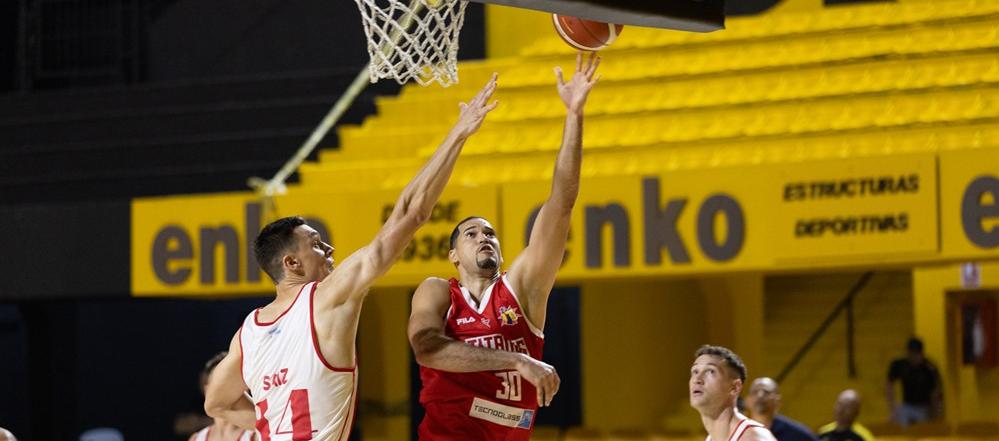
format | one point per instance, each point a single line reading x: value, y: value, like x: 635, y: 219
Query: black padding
x: 684, y: 15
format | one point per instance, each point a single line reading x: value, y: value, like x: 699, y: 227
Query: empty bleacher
x: 849, y: 81
x: 115, y: 142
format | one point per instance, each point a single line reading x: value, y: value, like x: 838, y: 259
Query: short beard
x: 488, y: 263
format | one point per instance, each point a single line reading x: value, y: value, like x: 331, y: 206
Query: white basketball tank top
x: 202, y: 435
x: 297, y: 394
x: 744, y: 425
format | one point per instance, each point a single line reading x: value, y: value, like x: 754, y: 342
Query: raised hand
x: 474, y: 112
x: 575, y: 91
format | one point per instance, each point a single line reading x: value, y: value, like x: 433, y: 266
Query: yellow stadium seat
x: 584, y: 434
x: 629, y: 435
x: 978, y: 429
x: 943, y: 437
x: 893, y: 438
x: 545, y: 433
x: 930, y: 431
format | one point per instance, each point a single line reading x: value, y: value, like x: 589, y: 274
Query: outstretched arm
x: 225, y: 394
x: 434, y: 349
x: 532, y: 274
x: 412, y: 209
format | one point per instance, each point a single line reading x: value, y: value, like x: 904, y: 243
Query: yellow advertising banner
x: 691, y: 221
x: 969, y: 203
x: 202, y: 245
x: 842, y: 210
x: 836, y: 213
x: 751, y: 218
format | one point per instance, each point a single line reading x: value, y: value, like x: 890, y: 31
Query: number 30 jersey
x: 492, y: 405
x: 298, y: 395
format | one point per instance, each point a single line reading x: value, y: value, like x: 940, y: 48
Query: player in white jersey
x: 716, y: 380
x: 296, y: 355
x: 220, y: 429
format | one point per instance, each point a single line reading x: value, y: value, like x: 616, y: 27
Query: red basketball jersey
x: 491, y: 405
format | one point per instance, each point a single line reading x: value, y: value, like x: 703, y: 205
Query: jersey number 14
x: 300, y: 422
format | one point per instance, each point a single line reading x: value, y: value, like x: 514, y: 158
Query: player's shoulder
x: 433, y: 288
x: 436, y: 280
x: 194, y: 436
x: 435, y: 283
x: 757, y: 432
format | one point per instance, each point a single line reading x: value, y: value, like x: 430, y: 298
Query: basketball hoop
x: 418, y: 41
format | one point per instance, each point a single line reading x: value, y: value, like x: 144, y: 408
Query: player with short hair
x: 478, y: 339
x: 296, y: 355
x: 716, y: 380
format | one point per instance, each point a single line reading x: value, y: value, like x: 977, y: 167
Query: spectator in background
x: 846, y: 427
x: 763, y: 403
x: 5, y: 435
x: 922, y: 395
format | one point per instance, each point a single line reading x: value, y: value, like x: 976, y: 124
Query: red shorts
x: 452, y: 420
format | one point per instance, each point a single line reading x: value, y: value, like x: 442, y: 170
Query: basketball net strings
x: 267, y: 189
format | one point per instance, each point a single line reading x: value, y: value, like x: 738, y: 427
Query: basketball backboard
x: 684, y: 15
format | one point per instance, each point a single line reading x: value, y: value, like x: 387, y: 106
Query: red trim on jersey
x: 256, y: 313
x: 242, y: 355
x: 744, y: 425
x: 345, y: 430
x: 315, y: 338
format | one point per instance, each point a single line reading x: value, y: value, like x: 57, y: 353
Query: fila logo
x: 466, y: 320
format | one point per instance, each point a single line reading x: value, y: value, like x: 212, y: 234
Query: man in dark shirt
x: 846, y: 427
x: 922, y: 396
x: 764, y: 402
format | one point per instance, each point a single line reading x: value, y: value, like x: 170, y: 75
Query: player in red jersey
x: 716, y: 380
x: 479, y: 340
x: 296, y: 356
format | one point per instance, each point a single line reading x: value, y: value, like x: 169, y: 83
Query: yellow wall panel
x: 384, y: 357
x: 969, y: 202
x: 168, y: 235
x: 638, y: 341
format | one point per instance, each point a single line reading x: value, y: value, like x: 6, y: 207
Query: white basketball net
x: 417, y: 41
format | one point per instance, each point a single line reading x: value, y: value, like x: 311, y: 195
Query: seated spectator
x: 846, y: 427
x: 764, y: 401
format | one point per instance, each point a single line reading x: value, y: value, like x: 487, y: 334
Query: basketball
x: 586, y: 35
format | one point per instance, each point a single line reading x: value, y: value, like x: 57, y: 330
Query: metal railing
x: 846, y: 304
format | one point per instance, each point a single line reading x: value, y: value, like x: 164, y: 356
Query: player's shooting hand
x: 474, y: 112
x: 543, y: 376
x: 575, y: 91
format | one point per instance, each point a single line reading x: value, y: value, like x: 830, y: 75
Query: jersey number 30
x: 511, y: 386
x: 301, y: 419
